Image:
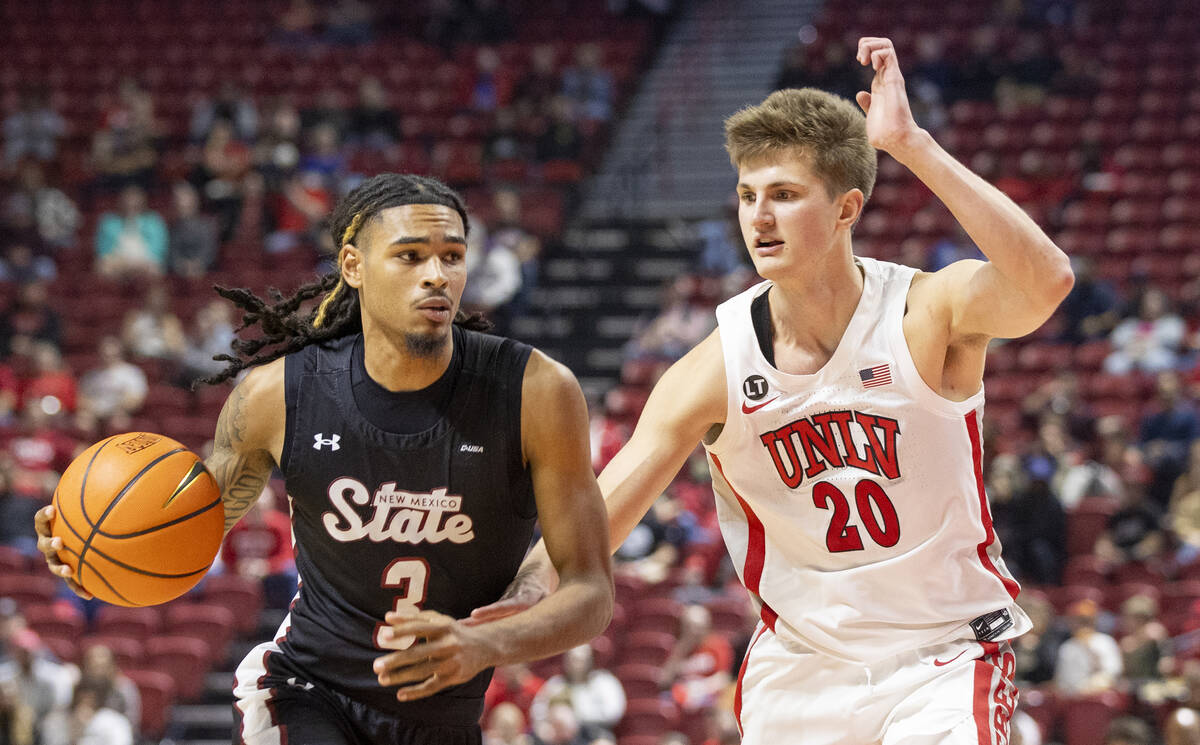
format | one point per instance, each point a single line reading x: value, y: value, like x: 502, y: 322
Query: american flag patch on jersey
x: 873, y: 377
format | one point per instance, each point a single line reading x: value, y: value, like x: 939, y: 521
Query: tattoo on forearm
x: 240, y: 476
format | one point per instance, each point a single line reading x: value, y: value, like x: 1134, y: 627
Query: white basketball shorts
x: 960, y: 693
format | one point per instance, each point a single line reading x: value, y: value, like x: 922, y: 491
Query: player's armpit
x: 248, y: 440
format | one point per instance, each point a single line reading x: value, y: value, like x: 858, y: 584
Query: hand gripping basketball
x: 136, y: 520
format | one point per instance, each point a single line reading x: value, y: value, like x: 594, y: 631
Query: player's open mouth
x: 767, y: 244
x: 764, y: 247
x: 435, y: 310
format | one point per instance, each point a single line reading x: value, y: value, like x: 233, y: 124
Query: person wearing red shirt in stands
x: 260, y: 548
x: 699, y: 665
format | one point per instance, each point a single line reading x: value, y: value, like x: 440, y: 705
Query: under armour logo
x: 331, y: 441
x: 296, y: 683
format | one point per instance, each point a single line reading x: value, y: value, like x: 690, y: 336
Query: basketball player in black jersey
x: 418, y: 454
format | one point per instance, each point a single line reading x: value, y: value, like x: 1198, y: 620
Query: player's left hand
x: 446, y: 653
x: 890, y: 124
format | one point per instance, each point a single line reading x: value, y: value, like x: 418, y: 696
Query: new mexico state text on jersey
x: 404, y: 517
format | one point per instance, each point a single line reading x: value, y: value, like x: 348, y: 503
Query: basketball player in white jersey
x: 840, y: 403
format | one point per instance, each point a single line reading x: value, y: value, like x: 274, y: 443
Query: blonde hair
x: 827, y: 129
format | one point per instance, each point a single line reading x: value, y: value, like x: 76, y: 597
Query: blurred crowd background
x: 152, y: 150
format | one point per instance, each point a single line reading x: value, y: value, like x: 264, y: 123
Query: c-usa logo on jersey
x: 320, y: 441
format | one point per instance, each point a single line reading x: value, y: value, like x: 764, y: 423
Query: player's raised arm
x: 249, y: 439
x: 685, y: 404
x: 1026, y: 275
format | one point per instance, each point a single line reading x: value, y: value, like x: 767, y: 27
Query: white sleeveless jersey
x: 851, y: 499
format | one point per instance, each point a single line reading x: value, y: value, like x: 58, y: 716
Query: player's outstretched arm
x: 554, y: 438
x: 1026, y: 275
x: 249, y: 439
x: 685, y: 404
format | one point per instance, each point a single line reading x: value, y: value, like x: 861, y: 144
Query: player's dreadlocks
x: 284, y: 329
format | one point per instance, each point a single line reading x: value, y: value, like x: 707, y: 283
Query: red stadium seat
x: 1086, y: 523
x: 648, y: 717
x: 640, y: 680
x: 657, y: 614
x: 186, y: 659
x: 157, y: 691
x: 241, y: 596
x: 134, y: 623
x: 212, y: 624
x: 1085, y: 569
x: 651, y: 647
x: 61, y: 620
x: 1085, y: 720
x: 129, y: 653
x: 30, y: 589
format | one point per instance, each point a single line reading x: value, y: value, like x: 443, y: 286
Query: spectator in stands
x: 1129, y: 730
x: 30, y: 317
x: 596, y: 696
x: 1148, y: 343
x: 1145, y: 642
x: 681, y: 324
x: 1134, y: 532
x: 1029, y: 519
x: 560, y: 727
x: 88, y: 722
x: 324, y: 155
x: 496, y: 269
x: 588, y: 85
x: 539, y: 84
x: 504, y: 141
x: 254, y: 219
x: 349, y: 22
x: 296, y: 28
x: 1183, y: 515
x: 98, y: 671
x: 54, y: 215
x: 697, y: 669
x: 1090, y: 661
x: 114, y: 390
x: 1037, y: 650
x: 1091, y: 475
x: 231, y: 105
x: 374, y: 123
x: 1182, y: 726
x: 33, y: 130
x: 506, y: 726
x: 298, y: 209
x: 43, y: 684
x: 260, y: 548
x: 1167, y: 432
x: 192, y: 237
x: 52, y: 386
x: 223, y: 162
x: 212, y: 334
x: 976, y: 76
x: 492, y: 84
x: 21, y: 266
x: 151, y: 330
x: 278, y: 149
x: 1026, y: 70
x: 133, y: 240
x: 560, y: 138
x: 655, y: 544
x: 1078, y: 76
x: 328, y: 108
x: 514, y: 684
x: 124, y: 152
x: 16, y: 718
x: 1091, y: 309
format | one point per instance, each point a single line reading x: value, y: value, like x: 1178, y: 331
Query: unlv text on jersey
x: 807, y: 447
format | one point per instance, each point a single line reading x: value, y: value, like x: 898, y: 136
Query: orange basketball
x: 140, y: 517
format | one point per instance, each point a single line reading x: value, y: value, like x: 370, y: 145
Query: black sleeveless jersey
x: 436, y: 520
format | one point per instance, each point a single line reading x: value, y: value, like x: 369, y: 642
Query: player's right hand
x: 49, y: 546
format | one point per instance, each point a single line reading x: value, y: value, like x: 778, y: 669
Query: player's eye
x: 747, y: 197
x: 783, y: 195
x: 454, y: 257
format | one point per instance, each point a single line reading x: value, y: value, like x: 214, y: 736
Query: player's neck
x: 391, y: 363
x: 812, y: 310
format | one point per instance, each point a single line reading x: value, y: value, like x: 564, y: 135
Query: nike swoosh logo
x: 751, y: 409
x: 939, y: 663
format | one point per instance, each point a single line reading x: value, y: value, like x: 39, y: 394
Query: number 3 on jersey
x: 411, y: 577
x: 875, y: 510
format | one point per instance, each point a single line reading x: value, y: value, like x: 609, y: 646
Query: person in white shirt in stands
x: 596, y: 696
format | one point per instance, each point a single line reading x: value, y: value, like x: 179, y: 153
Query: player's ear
x: 350, y: 259
x: 852, y: 205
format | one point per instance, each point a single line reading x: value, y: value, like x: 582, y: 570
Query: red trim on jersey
x: 756, y: 550
x: 982, y: 698
x: 985, y: 514
x: 737, y: 691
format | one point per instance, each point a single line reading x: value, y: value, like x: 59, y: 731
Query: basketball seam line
x: 160, y: 526
x: 83, y: 504
x: 146, y: 572
x: 115, y: 500
x: 99, y: 575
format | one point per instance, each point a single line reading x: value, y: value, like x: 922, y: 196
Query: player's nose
x: 763, y: 215
x: 433, y: 274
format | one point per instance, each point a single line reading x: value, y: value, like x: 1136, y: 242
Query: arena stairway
x: 597, y: 287
x: 667, y: 158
